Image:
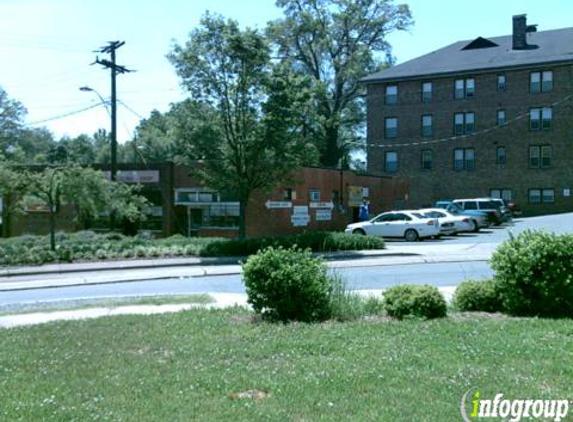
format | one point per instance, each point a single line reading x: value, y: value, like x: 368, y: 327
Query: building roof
x: 483, y: 54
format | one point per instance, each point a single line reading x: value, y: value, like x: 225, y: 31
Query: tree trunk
x: 331, y: 153
x: 243, y: 219
x: 52, y: 229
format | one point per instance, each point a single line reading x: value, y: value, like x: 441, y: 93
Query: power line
x: 130, y: 109
x: 380, y: 143
x: 61, y: 116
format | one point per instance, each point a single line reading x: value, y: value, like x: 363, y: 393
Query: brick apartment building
x: 483, y: 117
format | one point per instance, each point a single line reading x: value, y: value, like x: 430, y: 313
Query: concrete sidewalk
x: 76, y: 274
x: 220, y: 300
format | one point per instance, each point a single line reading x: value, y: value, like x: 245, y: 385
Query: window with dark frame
x: 426, y: 91
x: 534, y: 196
x: 506, y: 194
x: 464, y: 158
x: 464, y: 88
x: 314, y: 195
x: 541, y: 196
x: 391, y: 127
x: 540, y: 118
x: 287, y: 194
x: 427, y: 127
x: 501, y: 82
x: 541, y: 81
x: 427, y: 158
x: 501, y: 156
x: 464, y: 123
x: 540, y: 156
x: 501, y: 117
x: 391, y: 161
x: 391, y: 96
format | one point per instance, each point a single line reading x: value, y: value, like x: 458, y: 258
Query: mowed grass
x: 72, y: 305
x: 188, y: 366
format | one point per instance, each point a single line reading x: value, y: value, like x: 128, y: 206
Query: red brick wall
x: 442, y: 181
x: 268, y: 222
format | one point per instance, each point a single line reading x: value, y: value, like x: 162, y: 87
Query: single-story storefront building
x: 311, y: 198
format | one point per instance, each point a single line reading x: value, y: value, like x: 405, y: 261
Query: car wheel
x: 411, y: 235
x: 475, y: 226
x: 359, y: 231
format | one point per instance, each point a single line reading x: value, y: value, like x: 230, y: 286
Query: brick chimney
x: 519, y: 32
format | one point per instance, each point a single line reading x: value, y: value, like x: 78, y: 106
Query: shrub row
x: 90, y: 246
x: 533, y: 277
x: 315, y: 241
x: 290, y: 285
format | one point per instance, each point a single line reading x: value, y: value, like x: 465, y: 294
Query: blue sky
x: 46, y: 47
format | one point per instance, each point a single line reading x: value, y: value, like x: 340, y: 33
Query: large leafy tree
x: 166, y: 136
x: 84, y: 188
x: 249, y: 137
x: 336, y: 43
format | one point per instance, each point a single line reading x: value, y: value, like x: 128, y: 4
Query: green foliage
x: 345, y: 305
x: 315, y: 241
x: 420, y: 301
x: 336, y: 43
x: 475, y: 295
x: 288, y: 285
x: 534, y: 274
x: 250, y: 106
x: 89, y: 246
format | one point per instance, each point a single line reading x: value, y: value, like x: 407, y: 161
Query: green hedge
x: 534, y: 274
x: 90, y: 246
x: 315, y: 241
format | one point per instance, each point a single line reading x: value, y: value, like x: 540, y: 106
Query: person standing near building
x: 364, y: 212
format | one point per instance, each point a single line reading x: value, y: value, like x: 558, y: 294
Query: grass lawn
x: 70, y: 305
x: 188, y: 366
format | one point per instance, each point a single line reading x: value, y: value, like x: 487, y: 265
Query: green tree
x: 336, y: 43
x: 87, y: 190
x: 13, y: 189
x: 248, y: 139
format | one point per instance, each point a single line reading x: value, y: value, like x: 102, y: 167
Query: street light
x: 88, y: 89
x: 113, y: 158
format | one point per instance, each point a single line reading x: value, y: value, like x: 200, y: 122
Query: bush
x: 345, y: 305
x: 288, y: 285
x: 414, y: 300
x: 474, y: 295
x: 534, y: 274
x: 315, y: 241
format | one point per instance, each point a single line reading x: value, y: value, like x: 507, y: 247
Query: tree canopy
x: 249, y: 137
x: 336, y: 43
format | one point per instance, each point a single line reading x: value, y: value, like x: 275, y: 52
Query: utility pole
x: 115, y: 69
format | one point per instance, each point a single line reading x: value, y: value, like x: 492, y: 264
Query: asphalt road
x: 359, y: 275
x: 357, y: 278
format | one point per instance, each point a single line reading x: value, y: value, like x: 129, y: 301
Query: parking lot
x: 557, y: 223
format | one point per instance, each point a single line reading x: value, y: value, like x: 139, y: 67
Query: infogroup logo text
x: 473, y: 408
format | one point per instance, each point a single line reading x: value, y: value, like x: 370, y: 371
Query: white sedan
x: 411, y: 225
x: 449, y: 223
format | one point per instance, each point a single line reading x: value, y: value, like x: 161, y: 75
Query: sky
x: 47, y: 48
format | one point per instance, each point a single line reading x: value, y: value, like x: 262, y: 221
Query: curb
x: 8, y: 272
